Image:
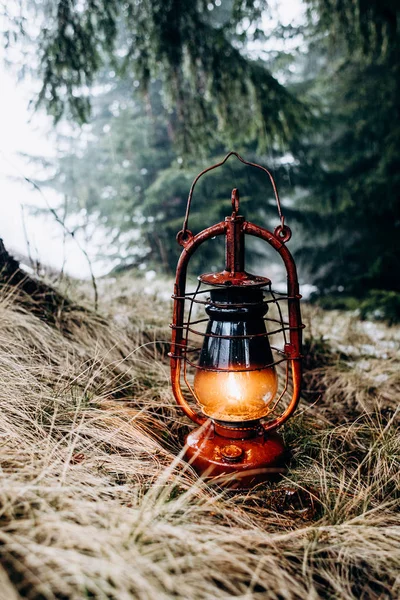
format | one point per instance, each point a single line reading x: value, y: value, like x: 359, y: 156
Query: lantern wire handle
x: 219, y: 164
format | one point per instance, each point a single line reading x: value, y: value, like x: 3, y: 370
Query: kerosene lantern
x: 232, y: 375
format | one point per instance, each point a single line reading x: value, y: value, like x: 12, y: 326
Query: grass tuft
x: 96, y: 502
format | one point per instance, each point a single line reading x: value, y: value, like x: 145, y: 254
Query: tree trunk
x: 34, y: 295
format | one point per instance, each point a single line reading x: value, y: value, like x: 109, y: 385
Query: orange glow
x: 236, y: 395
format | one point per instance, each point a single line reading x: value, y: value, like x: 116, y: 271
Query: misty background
x: 108, y: 111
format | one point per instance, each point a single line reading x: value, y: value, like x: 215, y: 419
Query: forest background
x: 146, y: 93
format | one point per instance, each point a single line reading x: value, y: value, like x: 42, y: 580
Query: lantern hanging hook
x: 235, y: 201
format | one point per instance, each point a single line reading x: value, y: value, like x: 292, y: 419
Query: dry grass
x: 95, y: 501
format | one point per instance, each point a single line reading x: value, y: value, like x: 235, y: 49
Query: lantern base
x: 235, y: 462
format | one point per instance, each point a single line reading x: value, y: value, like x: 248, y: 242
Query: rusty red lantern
x: 244, y: 386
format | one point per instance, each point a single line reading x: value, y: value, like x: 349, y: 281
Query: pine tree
x: 134, y: 182
x: 349, y: 170
x: 197, y: 48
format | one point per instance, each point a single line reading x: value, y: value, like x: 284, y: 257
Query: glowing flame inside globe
x: 236, y: 395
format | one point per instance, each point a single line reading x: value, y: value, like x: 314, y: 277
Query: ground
x: 96, y: 502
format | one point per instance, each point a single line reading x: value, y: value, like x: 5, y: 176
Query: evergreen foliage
x: 368, y: 27
x: 199, y: 54
x: 134, y: 182
x: 350, y: 168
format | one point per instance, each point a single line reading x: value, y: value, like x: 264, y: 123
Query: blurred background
x: 109, y: 108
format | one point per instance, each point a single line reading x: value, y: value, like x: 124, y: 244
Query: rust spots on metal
x: 235, y: 202
x: 256, y: 453
x: 256, y: 459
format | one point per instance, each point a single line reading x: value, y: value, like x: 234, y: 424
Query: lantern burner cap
x: 232, y: 453
x: 234, y: 279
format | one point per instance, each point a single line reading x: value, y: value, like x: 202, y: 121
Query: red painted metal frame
x: 277, y: 240
x: 292, y: 349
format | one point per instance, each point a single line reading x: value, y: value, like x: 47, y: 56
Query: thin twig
x: 66, y: 230
x: 72, y: 234
x: 27, y: 241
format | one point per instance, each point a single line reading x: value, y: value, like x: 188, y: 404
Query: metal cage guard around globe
x: 235, y: 381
